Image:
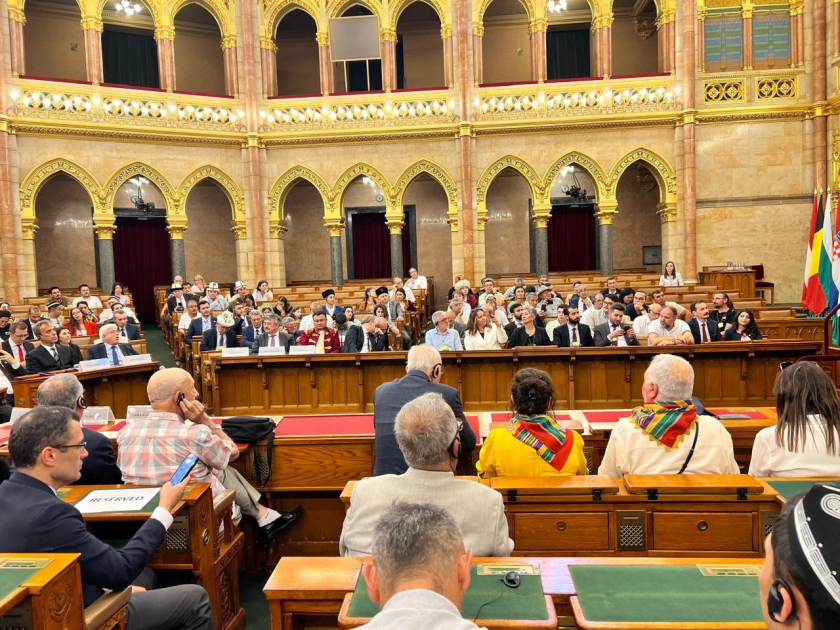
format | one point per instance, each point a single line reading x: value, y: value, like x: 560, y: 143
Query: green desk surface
x: 149, y: 507
x: 664, y: 594
x: 789, y: 489
x: 11, y: 578
x: 526, y: 602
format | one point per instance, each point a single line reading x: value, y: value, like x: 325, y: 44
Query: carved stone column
x: 9, y: 248
x: 276, y: 253
x: 542, y: 214
x: 231, y: 66
x: 602, y: 31
x: 105, y: 243
x: 539, y: 62
x: 335, y: 228
x: 395, y: 227
x: 689, y: 24
x: 478, y: 61
x: 16, y: 49
x: 325, y: 63
x: 746, y: 18
x: 268, y: 56
x: 388, y: 45
x: 821, y: 111
x: 665, y: 42
x: 92, y: 29
x: 605, y: 214
x: 701, y: 37
x: 165, y: 36
x: 465, y: 241
x: 176, y: 228
x: 797, y: 32
x: 448, y: 70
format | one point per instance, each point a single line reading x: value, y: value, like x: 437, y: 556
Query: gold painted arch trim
x: 231, y: 189
x: 591, y: 166
x: 441, y: 8
x: 336, y: 208
x: 276, y: 10
x: 122, y: 175
x: 280, y: 190
x: 436, y: 172
x: 664, y: 173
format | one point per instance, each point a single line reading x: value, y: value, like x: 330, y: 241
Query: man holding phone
x: 48, y: 448
x: 151, y: 450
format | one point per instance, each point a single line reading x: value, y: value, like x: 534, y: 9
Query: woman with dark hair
x: 670, y: 278
x: 78, y: 325
x: 805, y: 442
x: 350, y: 314
x: 368, y: 303
x: 625, y: 296
x: 529, y: 334
x: 262, y: 293
x: 64, y: 338
x: 381, y: 310
x: 296, y: 313
x: 282, y: 308
x: 483, y: 333
x: 745, y: 328
x: 118, y: 291
x: 532, y: 445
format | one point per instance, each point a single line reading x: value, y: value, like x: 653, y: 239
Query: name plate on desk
x: 235, y: 352
x: 93, y: 364
x: 137, y: 359
x: 97, y: 416
x: 302, y: 350
x: 273, y: 352
x: 121, y: 500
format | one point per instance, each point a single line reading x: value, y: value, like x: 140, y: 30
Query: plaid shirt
x: 150, y: 450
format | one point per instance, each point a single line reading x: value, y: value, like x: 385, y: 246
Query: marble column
x: 396, y: 230
x: 327, y: 70
x: 448, y: 69
x: 689, y: 25
x: 605, y: 244
x: 231, y: 66
x: 165, y: 37
x: 389, y: 60
x: 335, y: 228
x: 177, y: 252
x: 105, y: 241
x: 701, y: 38
x: 466, y: 186
x: 268, y: 57
x: 666, y: 44
x: 478, y: 61
x: 541, y: 244
x: 93, y: 55
x: 8, y: 219
x: 16, y: 47
x: 539, y: 61
x: 746, y: 19
x: 820, y: 94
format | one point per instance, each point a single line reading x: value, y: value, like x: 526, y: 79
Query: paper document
x: 122, y: 500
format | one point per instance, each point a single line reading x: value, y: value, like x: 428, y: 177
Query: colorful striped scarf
x: 666, y: 422
x: 543, y: 435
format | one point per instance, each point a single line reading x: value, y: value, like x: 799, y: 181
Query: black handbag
x: 252, y: 429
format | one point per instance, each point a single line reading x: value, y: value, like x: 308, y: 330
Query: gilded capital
x: 334, y: 226
x: 165, y: 32
x: 446, y: 31
x: 277, y: 229
x: 322, y: 37
x: 17, y: 15
x: 388, y: 35
x: 239, y: 231
x: 177, y: 225
x: 478, y: 29
x: 667, y: 212
x: 28, y: 227
x: 105, y: 232
x: 747, y: 11
x: 541, y: 221
x: 605, y: 218
x: 229, y: 41
x: 268, y: 43
x: 395, y: 226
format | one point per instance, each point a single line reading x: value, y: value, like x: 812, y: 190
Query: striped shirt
x: 150, y: 450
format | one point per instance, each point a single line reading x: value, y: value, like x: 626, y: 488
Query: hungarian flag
x: 814, y: 296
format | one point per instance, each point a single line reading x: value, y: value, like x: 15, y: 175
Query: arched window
x: 298, y: 69
x: 359, y: 76
x: 419, y: 48
x: 635, y: 39
x: 506, y: 45
x: 54, y: 42
x: 199, y: 61
x: 130, y: 53
x: 569, y: 44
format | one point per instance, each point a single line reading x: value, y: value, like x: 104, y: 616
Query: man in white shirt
x: 428, y: 437
x: 643, y: 322
x: 17, y: 346
x: 490, y: 289
x: 186, y: 319
x: 216, y: 301
x: 599, y: 313
x: 420, y: 570
x: 561, y: 320
x: 92, y: 300
x: 659, y: 297
x: 669, y: 330
x: 665, y: 436
x: 398, y: 284
x: 307, y: 322
x: 416, y: 281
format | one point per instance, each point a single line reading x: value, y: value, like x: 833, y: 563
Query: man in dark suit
x: 255, y: 329
x: 32, y: 320
x: 203, y: 322
x: 702, y: 328
x: 17, y: 347
x: 100, y: 466
x: 423, y: 373
x: 110, y: 348
x: 50, y: 356
x: 573, y: 333
x: 614, y: 333
x: 124, y: 328
x: 178, y: 299
x: 221, y: 335
x: 5, y: 324
x: 273, y: 337
x: 612, y: 287
x: 515, y: 311
x: 365, y: 338
x: 48, y: 448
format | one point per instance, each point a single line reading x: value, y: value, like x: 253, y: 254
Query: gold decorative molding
x: 767, y: 113
x: 541, y: 221
x: 667, y: 212
x: 662, y: 171
x: 231, y: 189
x: 334, y: 226
x: 280, y: 189
x: 164, y: 32
x: 517, y: 164
x: 776, y: 88
x: 732, y: 90
x: 122, y: 175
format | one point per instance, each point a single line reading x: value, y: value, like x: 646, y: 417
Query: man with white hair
x: 398, y: 284
x: 442, y: 337
x: 665, y: 436
x: 423, y: 372
x: 150, y: 450
x: 110, y: 348
x: 420, y: 570
x: 429, y: 436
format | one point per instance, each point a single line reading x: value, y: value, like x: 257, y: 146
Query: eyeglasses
x: 64, y: 447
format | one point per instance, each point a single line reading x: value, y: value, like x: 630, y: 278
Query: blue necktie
x: 116, y: 357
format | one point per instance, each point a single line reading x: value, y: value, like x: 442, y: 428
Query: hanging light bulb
x: 128, y: 8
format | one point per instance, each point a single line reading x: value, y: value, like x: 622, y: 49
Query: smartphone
x: 184, y: 469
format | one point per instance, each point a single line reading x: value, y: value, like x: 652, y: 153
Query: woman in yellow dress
x: 532, y: 445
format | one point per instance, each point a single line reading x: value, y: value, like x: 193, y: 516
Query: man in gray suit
x: 272, y: 337
x: 427, y: 433
x: 420, y: 570
x: 423, y: 373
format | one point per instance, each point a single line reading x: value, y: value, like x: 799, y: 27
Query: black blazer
x: 711, y: 327
x: 601, y: 335
x: 248, y: 336
x: 562, y: 340
x: 99, y: 468
x: 520, y: 337
x: 40, y: 360
x: 210, y: 339
x: 27, y: 348
x: 239, y: 326
x: 355, y: 339
x: 262, y: 340
x: 29, y: 325
x: 132, y: 332
x: 75, y: 353
x: 732, y: 335
x: 389, y: 398
x: 4, y: 470
x: 49, y: 525
x: 172, y: 301
x: 195, y: 328
x: 100, y: 350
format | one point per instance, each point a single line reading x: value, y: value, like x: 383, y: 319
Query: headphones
x: 775, y: 601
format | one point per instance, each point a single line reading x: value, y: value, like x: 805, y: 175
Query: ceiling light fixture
x: 128, y: 8
x: 555, y: 6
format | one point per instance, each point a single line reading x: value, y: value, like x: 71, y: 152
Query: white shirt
x: 184, y: 322
x: 549, y: 328
x: 594, y: 317
x: 631, y: 451
x: 6, y: 384
x: 493, y: 338
x: 409, y: 294
x: 577, y: 336
x: 641, y: 325
x: 679, y: 329
x: 701, y: 326
x: 771, y: 460
x: 306, y: 323
x: 92, y: 301
x: 419, y: 609
x: 14, y: 350
x: 269, y: 296
x: 503, y: 319
x: 419, y: 282
x: 676, y: 281
x: 108, y: 314
x: 109, y: 353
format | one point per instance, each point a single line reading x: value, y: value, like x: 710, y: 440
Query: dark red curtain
x: 571, y: 238
x: 142, y: 260
x: 371, y: 246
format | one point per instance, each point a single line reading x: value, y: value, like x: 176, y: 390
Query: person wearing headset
x: 799, y: 580
x: 429, y: 436
x: 423, y: 373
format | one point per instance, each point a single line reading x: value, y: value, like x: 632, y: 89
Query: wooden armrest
x: 101, y: 611
x: 223, y: 501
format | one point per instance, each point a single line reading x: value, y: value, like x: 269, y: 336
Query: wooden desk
x: 742, y: 280
x: 301, y: 588
x: 734, y: 374
x: 194, y: 542
x: 51, y: 599
x: 114, y: 387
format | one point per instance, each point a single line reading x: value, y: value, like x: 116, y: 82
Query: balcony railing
x: 83, y: 103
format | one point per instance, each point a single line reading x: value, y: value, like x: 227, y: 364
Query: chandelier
x: 555, y: 6
x: 128, y: 8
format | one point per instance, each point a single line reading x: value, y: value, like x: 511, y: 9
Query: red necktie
x: 705, y: 336
x: 20, y: 354
x: 574, y: 334
x: 272, y: 341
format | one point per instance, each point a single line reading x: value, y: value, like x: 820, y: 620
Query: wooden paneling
x: 571, y: 531
x: 727, y: 280
x: 703, y: 531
